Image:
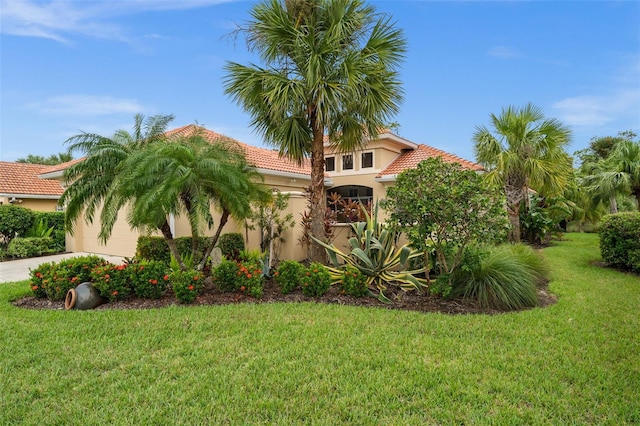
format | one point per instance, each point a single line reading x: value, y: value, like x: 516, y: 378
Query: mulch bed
x: 410, y: 301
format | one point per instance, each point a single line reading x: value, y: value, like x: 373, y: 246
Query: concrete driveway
x: 18, y: 270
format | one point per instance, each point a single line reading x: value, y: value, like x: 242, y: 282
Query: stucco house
x: 21, y: 184
x: 362, y: 176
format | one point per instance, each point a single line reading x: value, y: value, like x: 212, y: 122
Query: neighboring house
x: 21, y: 185
x: 360, y: 176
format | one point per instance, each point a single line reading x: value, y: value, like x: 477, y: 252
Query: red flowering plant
x: 40, y: 278
x: 149, y: 279
x: 316, y: 280
x: 250, y: 280
x: 187, y: 285
x: 353, y: 282
x: 226, y: 275
x: 113, y: 281
x: 54, y: 280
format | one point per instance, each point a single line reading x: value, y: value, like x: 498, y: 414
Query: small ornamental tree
x: 443, y: 208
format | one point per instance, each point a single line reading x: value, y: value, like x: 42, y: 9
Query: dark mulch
x: 411, y: 301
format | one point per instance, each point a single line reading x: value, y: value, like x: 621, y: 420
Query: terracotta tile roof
x: 60, y: 167
x: 22, y: 178
x: 411, y: 159
x: 262, y: 158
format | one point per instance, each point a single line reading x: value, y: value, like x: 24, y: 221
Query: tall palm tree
x: 189, y: 176
x: 331, y: 68
x: 92, y: 183
x: 526, y: 151
x: 620, y: 172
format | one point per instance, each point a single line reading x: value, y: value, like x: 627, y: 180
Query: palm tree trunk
x: 165, y: 229
x: 318, y: 198
x: 214, y: 240
x: 613, y: 205
x: 514, y: 197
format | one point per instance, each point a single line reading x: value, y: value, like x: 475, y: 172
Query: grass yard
x: 576, y: 362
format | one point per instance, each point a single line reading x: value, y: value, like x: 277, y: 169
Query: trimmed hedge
x: 231, y: 244
x: 156, y: 249
x: 620, y: 240
x: 15, y: 221
x: 21, y: 248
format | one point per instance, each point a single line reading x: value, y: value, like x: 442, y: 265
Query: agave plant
x: 374, y: 254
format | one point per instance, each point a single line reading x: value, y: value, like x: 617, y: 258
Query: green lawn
x: 577, y: 362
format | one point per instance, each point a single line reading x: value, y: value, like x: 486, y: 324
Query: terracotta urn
x: 84, y: 296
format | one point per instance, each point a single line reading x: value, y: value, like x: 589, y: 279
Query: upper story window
x: 330, y: 164
x: 347, y: 162
x: 367, y: 160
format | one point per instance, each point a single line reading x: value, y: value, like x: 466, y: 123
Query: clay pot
x: 84, y: 296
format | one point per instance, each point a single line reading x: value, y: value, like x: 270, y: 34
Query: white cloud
x: 598, y: 110
x: 61, y: 19
x: 86, y: 105
x: 504, y: 52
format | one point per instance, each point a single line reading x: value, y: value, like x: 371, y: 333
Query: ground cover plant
x: 575, y: 362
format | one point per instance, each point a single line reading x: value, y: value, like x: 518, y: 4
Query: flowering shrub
x: 54, y: 280
x: 316, y: 280
x: 353, y: 282
x: 187, y: 285
x: 249, y: 279
x: 149, y: 279
x: 288, y: 275
x: 113, y: 281
x: 225, y: 275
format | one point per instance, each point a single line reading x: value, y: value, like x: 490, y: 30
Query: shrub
x: 619, y: 238
x: 316, y: 280
x: 113, y: 281
x: 156, y: 249
x: 250, y: 280
x: 225, y: 275
x: 289, y: 275
x: 21, y: 248
x: 54, y: 280
x: 354, y: 282
x: 634, y: 260
x: 187, y: 285
x: 15, y: 221
x: 149, y: 279
x: 231, y: 244
x: 500, y: 278
x: 40, y: 277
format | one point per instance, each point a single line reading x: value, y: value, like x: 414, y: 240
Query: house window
x: 347, y: 162
x: 330, y: 164
x: 367, y: 160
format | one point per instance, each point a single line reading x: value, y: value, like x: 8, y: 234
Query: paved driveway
x: 18, y: 270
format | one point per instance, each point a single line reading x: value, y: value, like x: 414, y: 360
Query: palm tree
x: 189, y: 176
x: 92, y: 183
x: 526, y: 151
x: 621, y: 170
x: 331, y: 67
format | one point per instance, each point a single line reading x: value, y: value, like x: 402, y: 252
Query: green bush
x: 231, y: 245
x: 289, y: 275
x: 250, y: 280
x: 156, y: 249
x: 54, y: 280
x: 316, y: 280
x: 187, y: 285
x: 21, y: 248
x: 113, y: 281
x: 225, y: 275
x: 353, y: 282
x: 15, y: 221
x: 40, y: 277
x: 500, y: 278
x: 634, y: 260
x: 149, y: 279
x: 53, y: 220
x: 619, y: 238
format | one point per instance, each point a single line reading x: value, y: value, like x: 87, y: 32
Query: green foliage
x: 52, y: 160
x: 443, y: 208
x: 113, y: 281
x: 15, y: 221
x: 231, y: 245
x: 289, y: 275
x: 225, y: 275
x: 634, y: 260
x: 272, y: 224
x: 20, y: 248
x: 54, y: 280
x: 149, y: 279
x: 53, y: 220
x: 187, y: 285
x: 374, y: 254
x: 249, y: 279
x: 620, y: 238
x: 316, y: 280
x: 536, y: 223
x: 500, y: 277
x: 39, y: 229
x: 40, y: 277
x: 156, y: 249
x: 353, y: 282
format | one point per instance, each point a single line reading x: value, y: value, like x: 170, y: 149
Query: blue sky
x: 71, y: 66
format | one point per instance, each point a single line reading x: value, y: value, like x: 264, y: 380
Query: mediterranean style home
x: 361, y: 176
x: 21, y: 185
